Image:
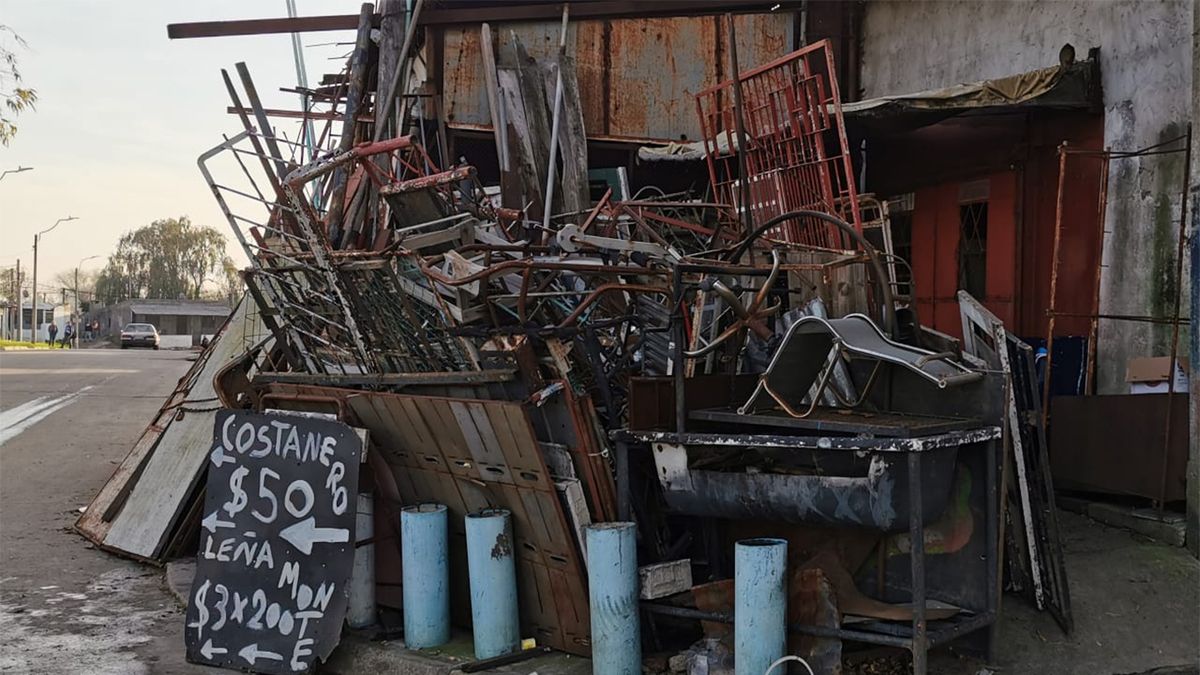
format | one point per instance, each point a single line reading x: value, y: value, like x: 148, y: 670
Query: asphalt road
x: 67, y: 419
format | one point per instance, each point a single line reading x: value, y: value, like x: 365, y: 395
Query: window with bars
x: 972, y: 248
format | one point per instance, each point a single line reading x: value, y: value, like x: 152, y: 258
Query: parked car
x: 139, y: 335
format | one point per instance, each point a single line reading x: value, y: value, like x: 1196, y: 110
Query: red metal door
x: 964, y: 235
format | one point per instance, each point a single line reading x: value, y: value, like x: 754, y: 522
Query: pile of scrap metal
x: 710, y: 367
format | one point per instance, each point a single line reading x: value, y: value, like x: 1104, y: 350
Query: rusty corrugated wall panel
x: 637, y: 77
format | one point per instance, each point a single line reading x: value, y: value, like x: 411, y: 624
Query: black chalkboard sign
x: 276, y: 543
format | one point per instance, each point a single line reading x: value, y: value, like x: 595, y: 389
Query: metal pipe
x: 493, y: 577
x: 760, y: 603
x: 889, y: 307
x: 1124, y: 317
x: 613, y: 598
x: 360, y: 610
x: 1183, y: 204
x: 916, y: 536
x: 425, y: 575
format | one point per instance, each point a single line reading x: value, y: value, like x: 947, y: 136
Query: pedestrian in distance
x: 52, y: 329
x: 68, y: 333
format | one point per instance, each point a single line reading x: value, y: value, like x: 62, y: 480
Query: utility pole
x: 12, y: 286
x: 20, y: 305
x: 77, y: 315
x: 37, y: 237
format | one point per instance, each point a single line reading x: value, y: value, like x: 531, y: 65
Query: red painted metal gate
x: 797, y: 155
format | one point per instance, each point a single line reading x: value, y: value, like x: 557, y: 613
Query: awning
x: 1074, y: 86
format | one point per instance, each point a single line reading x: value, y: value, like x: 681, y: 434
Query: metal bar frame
x: 922, y: 637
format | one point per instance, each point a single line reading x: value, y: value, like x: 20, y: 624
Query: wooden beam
x: 303, y: 24
x: 603, y: 9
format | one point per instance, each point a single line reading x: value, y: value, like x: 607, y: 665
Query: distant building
x: 180, y: 323
x: 9, y: 321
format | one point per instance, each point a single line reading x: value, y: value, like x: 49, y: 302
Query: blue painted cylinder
x: 613, y: 596
x: 493, y: 572
x: 759, y: 604
x: 426, y: 576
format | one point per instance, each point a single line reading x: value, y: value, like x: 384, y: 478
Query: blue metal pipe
x: 493, y: 573
x: 426, y: 576
x: 613, y: 595
x: 760, y: 604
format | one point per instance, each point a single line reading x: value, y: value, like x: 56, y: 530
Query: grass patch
x: 17, y: 343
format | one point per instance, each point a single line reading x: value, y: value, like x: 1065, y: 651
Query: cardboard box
x: 1148, y: 375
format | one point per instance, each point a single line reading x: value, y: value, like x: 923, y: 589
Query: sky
x: 123, y: 113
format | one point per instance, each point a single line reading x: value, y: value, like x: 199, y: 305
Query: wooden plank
x: 525, y: 170
x: 985, y: 337
x: 572, y: 139
x: 508, y: 187
x: 391, y: 40
x: 354, y: 101
x: 554, y: 605
x: 179, y: 459
x: 577, y: 512
x: 486, y: 450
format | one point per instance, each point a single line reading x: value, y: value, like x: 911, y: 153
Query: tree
x: 169, y: 258
x: 17, y: 97
x: 8, y: 283
x: 229, y: 286
x: 87, y: 282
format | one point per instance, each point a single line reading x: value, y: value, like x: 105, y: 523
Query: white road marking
x: 14, y: 422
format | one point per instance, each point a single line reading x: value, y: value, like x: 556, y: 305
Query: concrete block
x: 663, y: 579
x: 1169, y: 530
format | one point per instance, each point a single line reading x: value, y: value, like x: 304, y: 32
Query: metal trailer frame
x: 919, y: 637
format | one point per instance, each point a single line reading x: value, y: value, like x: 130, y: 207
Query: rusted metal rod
x: 739, y: 115
x: 1054, y: 260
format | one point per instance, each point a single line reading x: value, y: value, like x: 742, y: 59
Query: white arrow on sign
x: 207, y: 650
x: 211, y: 522
x: 251, y: 653
x: 219, y: 457
x: 305, y: 533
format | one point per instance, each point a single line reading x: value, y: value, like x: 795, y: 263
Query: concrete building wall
x: 1146, y: 56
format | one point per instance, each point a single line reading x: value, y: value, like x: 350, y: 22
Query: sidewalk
x: 1134, y: 600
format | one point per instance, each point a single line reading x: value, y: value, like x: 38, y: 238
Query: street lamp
x: 79, y: 328
x: 19, y: 169
x: 36, y: 238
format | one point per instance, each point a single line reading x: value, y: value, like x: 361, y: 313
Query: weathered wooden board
x: 141, y: 504
x: 471, y: 454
